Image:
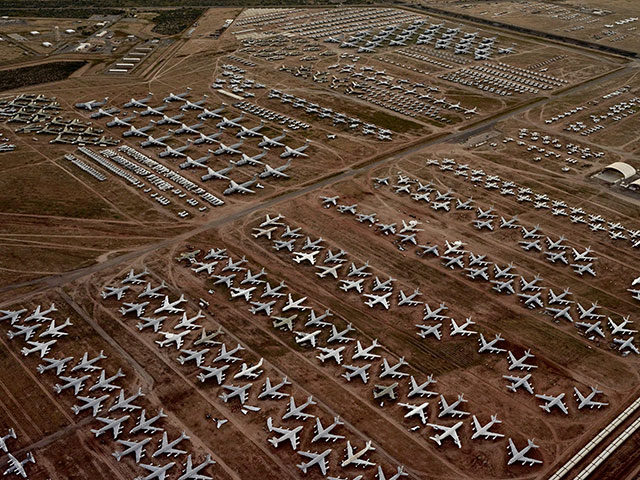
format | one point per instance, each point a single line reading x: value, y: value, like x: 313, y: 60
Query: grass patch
x: 172, y: 22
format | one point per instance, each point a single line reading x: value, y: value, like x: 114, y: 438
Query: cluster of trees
x: 48, y: 72
x: 170, y: 22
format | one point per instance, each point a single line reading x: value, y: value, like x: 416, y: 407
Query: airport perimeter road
x: 53, y: 281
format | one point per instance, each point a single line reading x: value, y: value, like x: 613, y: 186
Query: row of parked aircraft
x: 286, y: 322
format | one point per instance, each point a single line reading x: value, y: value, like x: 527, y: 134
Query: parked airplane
x: 380, y: 391
x: 115, y: 425
x: 193, y: 473
x: 273, y: 391
x: 552, y: 401
x: 485, y: 430
x: 447, y: 432
x: 132, y: 448
x: 413, y: 410
x: 324, y: 433
x: 517, y: 382
x: 587, y: 400
x: 286, y: 434
x: 295, y: 152
x: 490, y: 346
x: 93, y: 403
x: 216, y: 372
x: 3, y: 440
x: 355, y: 457
x: 166, y: 447
x: 38, y: 347
x: 157, y: 472
x: 59, y: 365
x: 520, y: 455
x: 170, y: 337
x: 16, y: 467
x: 520, y: 362
x: 462, y: 329
x: 355, y: 371
x: 452, y: 409
x: 92, y: 104
x: 240, y: 392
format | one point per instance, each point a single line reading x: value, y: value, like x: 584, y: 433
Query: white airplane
x: 215, y: 372
x: 452, y: 409
x: 12, y: 315
x: 366, y: 352
x: 295, y: 304
x: 118, y: 292
x: 148, y: 322
x: 317, y: 459
x: 93, y: 403
x: 229, y: 149
x: 404, y: 299
x: 419, y: 410
x: 355, y: 371
x: 557, y: 313
x: 277, y: 172
x: 225, y: 355
x: 92, y: 104
x: 138, y: 132
x: 104, y: 383
x: 193, y: 473
x: 517, y: 382
x: 240, y: 392
x: 356, y: 285
x: 170, y: 337
x: 591, y: 328
x: 419, y: 390
x: 3, y: 440
x: 485, y: 430
x: 490, y: 346
x: 520, y: 455
x: 620, y: 328
x: 157, y: 472
x: 211, y: 138
x: 142, y: 103
x: 250, y: 372
x: 166, y: 447
x: 169, y: 151
x: 193, y: 356
x: 59, y: 365
x: 330, y: 353
x: 273, y: 391
x: 434, y: 314
x: 126, y: 404
x: 626, y: 344
x: 56, y: 331
x: 355, y: 458
x: 378, y: 300
x: 297, y: 412
x: 520, y: 362
x: 77, y: 383
x: 170, y: 307
x: 115, y: 425
x: 87, y: 364
x: 295, y: 152
x: 225, y: 122
x: 340, y: 336
x: 426, y: 330
x: 552, y: 401
x: 462, y: 329
x: 242, y: 188
x: 392, y: 370
x: 146, y: 425
x: 324, y: 433
x: 38, y: 347
x: 273, y: 292
x: 286, y: 434
x: 136, y: 308
x: 273, y: 142
x: 587, y: 400
x: 135, y: 448
x: 40, y: 315
x: 582, y: 269
x: 310, y: 257
x: 26, y: 331
x: 250, y: 132
x: 561, y: 298
x: 206, y: 113
x: 16, y: 467
x: 177, y: 97
x: 188, y: 323
x: 306, y: 337
x: 447, y: 432
x: 189, y: 105
x: 590, y: 312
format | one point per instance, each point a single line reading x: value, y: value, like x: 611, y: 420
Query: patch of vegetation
x: 171, y: 22
x: 48, y: 72
x: 59, y: 12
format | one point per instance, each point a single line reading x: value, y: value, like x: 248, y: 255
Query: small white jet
x: 447, y: 432
x: 286, y: 434
x: 520, y: 455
